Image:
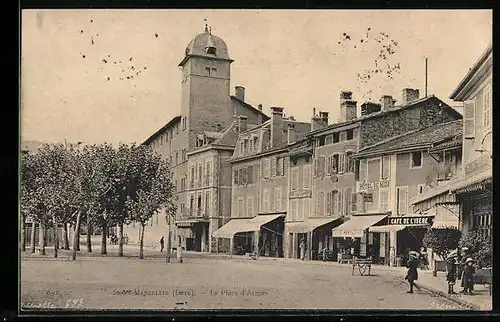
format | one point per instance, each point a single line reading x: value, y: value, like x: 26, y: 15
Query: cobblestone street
x: 125, y: 283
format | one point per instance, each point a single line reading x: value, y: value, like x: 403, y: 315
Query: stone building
x: 470, y: 194
x: 397, y: 170
x: 207, y: 110
x: 259, y: 187
x: 335, y: 172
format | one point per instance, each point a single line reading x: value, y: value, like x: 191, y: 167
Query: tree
x: 480, y: 245
x: 153, y: 189
x: 442, y: 240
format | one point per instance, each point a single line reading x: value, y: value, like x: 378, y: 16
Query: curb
x: 449, y: 297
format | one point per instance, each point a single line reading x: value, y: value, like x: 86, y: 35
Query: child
x: 451, y: 273
x: 468, y: 276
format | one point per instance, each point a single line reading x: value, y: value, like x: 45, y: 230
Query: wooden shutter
x: 384, y: 199
x: 362, y: 170
x: 354, y: 202
x: 386, y: 167
x: 361, y: 202
x: 277, y: 197
x: 329, y: 198
x: 347, y: 201
x: 469, y: 119
x: 319, y: 203
x: 306, y: 210
x: 329, y: 163
x: 340, y: 201
x: 321, y: 166
x: 294, y: 209
x: 272, y: 199
x: 402, y: 200
x: 306, y: 174
x: 341, y: 163
x: 245, y: 175
x: 250, y: 206
x: 236, y: 177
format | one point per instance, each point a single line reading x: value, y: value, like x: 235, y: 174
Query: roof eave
x: 186, y: 58
x: 393, y: 151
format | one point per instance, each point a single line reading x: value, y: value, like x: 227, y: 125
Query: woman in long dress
x: 468, y: 276
x: 412, y: 274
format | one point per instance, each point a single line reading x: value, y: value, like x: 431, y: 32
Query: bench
x: 362, y: 264
x: 484, y: 277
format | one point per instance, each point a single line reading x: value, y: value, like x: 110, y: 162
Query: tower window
x: 207, y: 71
x: 210, y: 50
x: 214, y: 72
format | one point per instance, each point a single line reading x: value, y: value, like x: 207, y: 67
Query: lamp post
x: 169, y: 240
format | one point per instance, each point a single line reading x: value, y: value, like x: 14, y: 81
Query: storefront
x: 355, y: 232
x: 316, y: 234
x: 397, y: 235
x: 263, y: 233
x: 192, y: 234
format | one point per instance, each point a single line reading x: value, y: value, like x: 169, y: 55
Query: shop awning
x: 386, y: 228
x: 307, y: 226
x: 235, y: 226
x: 472, y: 183
x: 232, y: 227
x: 356, y: 226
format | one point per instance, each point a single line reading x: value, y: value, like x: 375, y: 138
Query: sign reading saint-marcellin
x: 413, y: 220
x: 374, y: 185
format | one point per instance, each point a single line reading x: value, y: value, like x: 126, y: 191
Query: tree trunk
x: 120, y: 240
x: 104, y: 238
x: 42, y: 239
x: 141, y: 247
x: 56, y: 239
x: 169, y: 240
x: 76, y: 236
x: 23, y: 233
x: 65, y: 232
x: 33, y: 230
x: 89, y: 234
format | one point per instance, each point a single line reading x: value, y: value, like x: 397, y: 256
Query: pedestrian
x: 162, y: 243
x: 451, y: 271
x: 302, y: 247
x: 412, y: 274
x: 464, y: 254
x: 468, y: 276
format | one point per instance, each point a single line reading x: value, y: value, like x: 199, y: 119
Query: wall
x: 267, y: 186
x: 303, y: 191
x: 248, y: 193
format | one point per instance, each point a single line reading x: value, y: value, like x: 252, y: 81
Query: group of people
x: 461, y: 267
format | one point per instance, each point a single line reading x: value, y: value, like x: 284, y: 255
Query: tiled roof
x: 396, y: 108
x: 234, y: 98
x: 418, y: 138
x: 453, y: 142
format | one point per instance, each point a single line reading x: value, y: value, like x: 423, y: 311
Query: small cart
x: 362, y: 264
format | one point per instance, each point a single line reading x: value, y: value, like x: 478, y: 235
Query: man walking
x: 412, y: 274
x: 302, y: 247
x: 162, y: 243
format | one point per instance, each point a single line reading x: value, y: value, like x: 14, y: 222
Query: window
x: 250, y: 206
x: 255, y: 145
x: 416, y: 159
x: 191, y: 204
x: 161, y: 139
x: 177, y: 129
x: 207, y: 203
x: 469, y: 119
x: 321, y: 140
x: 487, y: 107
x: 177, y: 157
x: 266, y: 168
x: 211, y: 50
x: 250, y: 174
x: 347, y: 195
x: 306, y: 174
x: 240, y: 207
x: 207, y: 71
x: 242, y: 148
x: 183, y: 123
x: 342, y: 166
x: 354, y: 202
x: 265, y: 200
x: 336, y: 137
x: 319, y: 166
x: 350, y: 134
x: 295, y: 178
x: 183, y: 209
x: 332, y: 164
x: 236, y: 177
x: 200, y: 175
x: 166, y: 137
x: 384, y: 199
x: 402, y: 198
x: 332, y: 203
x: 208, y: 173
x: 349, y: 161
x: 273, y: 167
x: 214, y: 70
x: 320, y: 203
x: 170, y: 157
x: 386, y: 167
x: 306, y: 204
x: 373, y: 174
x: 277, y: 199
x: 343, y: 136
x: 420, y: 189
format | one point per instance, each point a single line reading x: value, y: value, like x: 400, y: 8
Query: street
x: 200, y: 283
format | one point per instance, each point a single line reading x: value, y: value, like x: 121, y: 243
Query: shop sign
x: 413, y: 220
x: 374, y: 185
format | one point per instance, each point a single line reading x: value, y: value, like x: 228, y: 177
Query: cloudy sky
x: 294, y: 59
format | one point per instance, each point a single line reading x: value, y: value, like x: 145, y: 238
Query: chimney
x: 345, y: 96
x: 348, y: 110
x: 369, y: 108
x: 239, y: 92
x: 242, y: 123
x: 387, y: 102
x: 319, y: 122
x: 291, y: 133
x: 314, y: 111
x: 259, y: 107
x: 409, y: 95
x: 276, y: 126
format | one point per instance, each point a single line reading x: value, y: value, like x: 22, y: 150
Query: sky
x: 295, y: 59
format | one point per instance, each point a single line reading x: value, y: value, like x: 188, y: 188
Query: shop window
x: 416, y: 159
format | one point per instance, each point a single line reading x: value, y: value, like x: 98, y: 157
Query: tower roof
x: 199, y: 44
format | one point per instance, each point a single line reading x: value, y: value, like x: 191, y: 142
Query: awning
x: 386, y: 228
x: 307, y: 226
x: 445, y: 224
x: 472, y: 183
x: 356, y: 226
x: 236, y: 225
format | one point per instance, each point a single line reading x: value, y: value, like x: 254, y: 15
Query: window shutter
x: 236, y: 177
x: 245, y: 175
x: 384, y: 199
x: 347, y: 201
x: 250, y: 206
x: 469, y: 119
x: 294, y: 209
x: 316, y: 167
x: 273, y: 166
x: 361, y: 202
x: 354, y: 202
x: 340, y: 202
x: 278, y: 199
x: 386, y: 167
x: 329, y: 203
x: 306, y: 175
x: 341, y: 163
x: 329, y: 163
x: 321, y: 166
x: 305, y: 211
x: 320, y: 199
x: 244, y: 206
x: 402, y: 200
x: 265, y: 205
x: 362, y: 170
